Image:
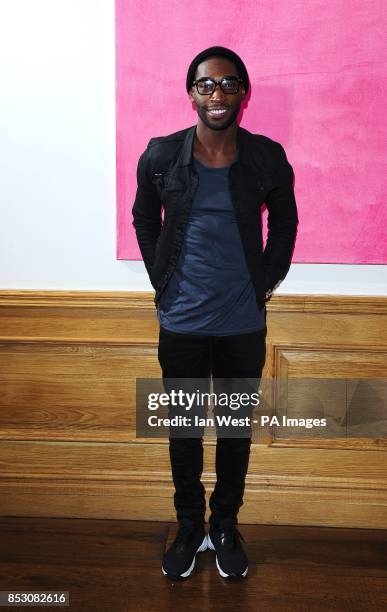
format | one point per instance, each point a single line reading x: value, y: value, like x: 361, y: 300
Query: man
x: 212, y: 279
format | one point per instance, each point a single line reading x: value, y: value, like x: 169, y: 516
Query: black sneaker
x: 231, y: 559
x: 179, y: 560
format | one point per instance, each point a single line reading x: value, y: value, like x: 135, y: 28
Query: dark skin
x: 215, y: 141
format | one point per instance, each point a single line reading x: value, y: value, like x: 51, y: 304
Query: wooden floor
x: 114, y: 566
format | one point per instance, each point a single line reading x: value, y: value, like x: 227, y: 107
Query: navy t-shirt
x: 210, y: 291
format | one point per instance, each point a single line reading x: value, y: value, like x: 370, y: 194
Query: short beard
x: 203, y: 116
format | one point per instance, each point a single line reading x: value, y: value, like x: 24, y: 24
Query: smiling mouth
x: 217, y: 112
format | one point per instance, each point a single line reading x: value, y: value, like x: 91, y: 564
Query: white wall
x: 57, y: 158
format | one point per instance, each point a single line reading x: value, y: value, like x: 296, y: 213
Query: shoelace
x: 231, y: 535
x: 184, y: 534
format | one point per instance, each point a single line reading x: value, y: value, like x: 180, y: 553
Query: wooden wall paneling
x: 68, y: 364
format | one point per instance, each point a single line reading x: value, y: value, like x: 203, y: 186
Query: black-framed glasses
x: 206, y: 86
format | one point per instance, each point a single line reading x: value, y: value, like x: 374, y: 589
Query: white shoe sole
x: 203, y: 546
x: 221, y: 572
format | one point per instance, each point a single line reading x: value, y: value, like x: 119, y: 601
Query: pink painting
x: 318, y: 86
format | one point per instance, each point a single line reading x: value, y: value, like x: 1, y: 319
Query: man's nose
x: 218, y: 93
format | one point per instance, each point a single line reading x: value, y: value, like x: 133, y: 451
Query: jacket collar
x: 186, y: 153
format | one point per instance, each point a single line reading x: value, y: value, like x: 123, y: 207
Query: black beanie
x: 218, y: 51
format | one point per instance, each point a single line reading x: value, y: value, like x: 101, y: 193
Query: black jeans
x: 196, y: 356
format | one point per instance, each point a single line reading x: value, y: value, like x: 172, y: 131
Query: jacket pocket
x: 158, y: 179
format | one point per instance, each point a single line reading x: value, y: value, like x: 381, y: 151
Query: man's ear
x: 191, y: 95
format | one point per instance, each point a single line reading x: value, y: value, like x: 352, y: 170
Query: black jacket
x: 261, y: 174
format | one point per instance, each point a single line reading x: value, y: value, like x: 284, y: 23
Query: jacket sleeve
x: 282, y: 224
x: 146, y: 212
